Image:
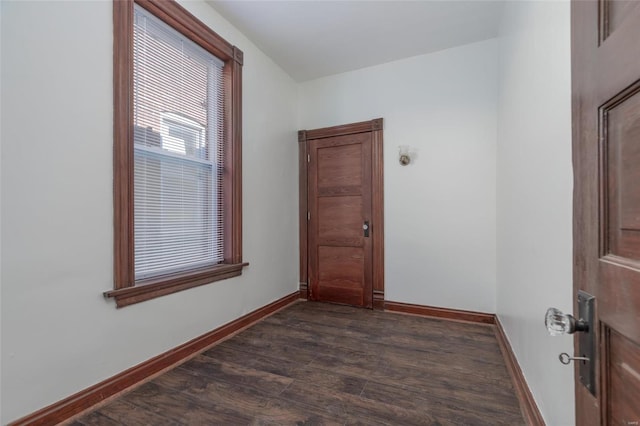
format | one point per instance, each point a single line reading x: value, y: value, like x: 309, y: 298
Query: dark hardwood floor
x: 315, y: 363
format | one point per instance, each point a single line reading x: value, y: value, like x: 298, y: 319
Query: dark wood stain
x: 606, y: 203
x: 303, y: 212
x: 127, y: 290
x: 315, y: 363
x: 331, y: 179
x: 339, y: 196
x: 432, y: 311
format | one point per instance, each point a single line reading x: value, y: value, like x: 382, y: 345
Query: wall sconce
x: 405, y: 156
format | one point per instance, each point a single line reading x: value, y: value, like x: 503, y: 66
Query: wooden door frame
x: 375, y: 127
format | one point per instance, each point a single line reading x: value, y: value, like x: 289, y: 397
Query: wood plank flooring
x: 315, y: 363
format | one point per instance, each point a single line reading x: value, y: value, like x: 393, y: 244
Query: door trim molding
x: 303, y: 153
x: 341, y: 130
x: 375, y: 127
x: 377, y: 213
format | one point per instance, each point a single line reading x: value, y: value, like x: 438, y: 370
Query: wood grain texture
x: 303, y: 212
x: 315, y: 363
x: 585, y: 192
x: 303, y: 288
x: 68, y: 407
x: 619, y: 126
x: 124, y: 263
x: 186, y: 23
x: 432, y: 311
x: 606, y: 127
x: 367, y: 200
x: 149, y: 289
x: 341, y: 179
x: 340, y: 165
x: 612, y: 15
x: 344, y: 129
x: 339, y: 220
x: 378, y: 300
x: 341, y: 267
x: 623, y: 383
x: 377, y: 213
x: 528, y: 405
x: 233, y: 160
x: 339, y: 194
x: 123, y: 144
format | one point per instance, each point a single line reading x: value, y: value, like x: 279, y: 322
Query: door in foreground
x: 606, y: 156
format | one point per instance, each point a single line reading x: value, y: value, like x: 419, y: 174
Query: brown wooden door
x: 340, y: 249
x: 606, y: 155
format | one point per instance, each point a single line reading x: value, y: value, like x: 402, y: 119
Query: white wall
x: 534, y: 195
x: 58, y: 333
x: 440, y: 210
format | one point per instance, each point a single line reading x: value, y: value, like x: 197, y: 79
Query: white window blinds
x: 178, y: 141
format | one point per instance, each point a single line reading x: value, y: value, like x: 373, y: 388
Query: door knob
x: 557, y: 323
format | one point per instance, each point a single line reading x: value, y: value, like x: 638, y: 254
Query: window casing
x: 177, y: 156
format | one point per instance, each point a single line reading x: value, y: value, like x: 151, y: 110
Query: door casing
x: 374, y: 126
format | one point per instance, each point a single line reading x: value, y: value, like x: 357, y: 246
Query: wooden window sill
x: 156, y: 287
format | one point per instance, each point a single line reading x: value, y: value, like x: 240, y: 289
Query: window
x: 177, y: 152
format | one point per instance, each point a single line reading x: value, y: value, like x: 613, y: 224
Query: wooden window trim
x: 126, y: 290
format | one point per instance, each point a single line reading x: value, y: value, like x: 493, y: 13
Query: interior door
x: 606, y: 155
x: 340, y: 248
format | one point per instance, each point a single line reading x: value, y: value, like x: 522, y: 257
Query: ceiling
x: 315, y: 38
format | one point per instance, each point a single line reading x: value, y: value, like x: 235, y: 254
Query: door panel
x: 624, y: 379
x: 340, y: 220
x: 341, y: 275
x: 606, y: 157
x: 340, y: 167
x: 614, y: 13
x: 340, y: 255
x: 620, y: 136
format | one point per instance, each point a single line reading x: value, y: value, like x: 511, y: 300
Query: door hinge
x: 308, y: 215
x: 308, y: 158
